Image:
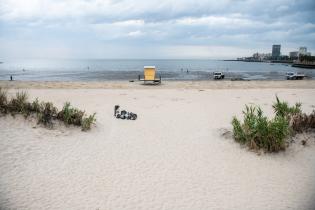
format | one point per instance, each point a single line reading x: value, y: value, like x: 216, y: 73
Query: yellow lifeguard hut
x: 149, y: 75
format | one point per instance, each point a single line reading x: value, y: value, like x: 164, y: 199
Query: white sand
x: 172, y: 157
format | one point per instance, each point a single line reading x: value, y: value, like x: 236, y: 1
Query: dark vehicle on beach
x: 218, y: 75
x: 294, y: 76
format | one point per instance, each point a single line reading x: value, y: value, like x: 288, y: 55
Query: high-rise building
x: 276, y: 51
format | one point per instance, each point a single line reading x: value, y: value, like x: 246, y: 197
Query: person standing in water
x: 11, y: 78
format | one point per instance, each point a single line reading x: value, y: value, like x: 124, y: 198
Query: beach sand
x: 172, y: 157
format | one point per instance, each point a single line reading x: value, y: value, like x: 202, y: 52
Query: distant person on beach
x: 187, y: 71
x: 11, y: 78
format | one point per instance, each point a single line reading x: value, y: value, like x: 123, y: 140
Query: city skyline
x: 155, y: 29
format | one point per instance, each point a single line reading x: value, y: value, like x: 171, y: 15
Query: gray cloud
x: 159, y: 25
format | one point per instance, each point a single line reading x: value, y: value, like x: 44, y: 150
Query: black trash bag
x: 133, y: 116
x: 116, y: 110
x: 123, y: 112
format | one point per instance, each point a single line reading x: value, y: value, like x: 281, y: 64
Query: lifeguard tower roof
x: 149, y: 67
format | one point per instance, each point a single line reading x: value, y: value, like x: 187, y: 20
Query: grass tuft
x: 282, y: 108
x: 87, y: 122
x: 70, y: 115
x: 258, y: 132
x: 3, y: 101
x: 46, y: 112
x: 303, y: 122
x: 18, y: 104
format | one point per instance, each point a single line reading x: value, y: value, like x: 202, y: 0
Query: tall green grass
x: 282, y: 108
x: 70, y: 115
x: 87, y: 122
x: 258, y: 132
x: 45, y: 112
x: 3, y: 101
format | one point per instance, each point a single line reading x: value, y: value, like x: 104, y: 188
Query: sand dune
x: 172, y: 157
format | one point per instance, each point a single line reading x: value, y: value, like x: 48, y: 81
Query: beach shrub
x: 18, y: 104
x: 238, y: 132
x: 282, y: 108
x: 70, y: 115
x: 278, y: 131
x: 35, y: 106
x: 301, y: 122
x: 3, y: 101
x: 257, y: 132
x: 87, y: 122
x: 47, y: 113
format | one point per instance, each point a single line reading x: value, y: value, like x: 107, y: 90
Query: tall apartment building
x: 276, y: 51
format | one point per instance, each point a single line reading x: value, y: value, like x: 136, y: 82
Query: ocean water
x: 129, y: 69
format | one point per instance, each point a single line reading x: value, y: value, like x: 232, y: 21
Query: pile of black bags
x: 123, y: 114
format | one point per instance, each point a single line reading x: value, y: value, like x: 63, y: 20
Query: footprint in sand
x: 226, y: 133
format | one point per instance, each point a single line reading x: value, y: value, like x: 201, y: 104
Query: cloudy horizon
x: 153, y: 29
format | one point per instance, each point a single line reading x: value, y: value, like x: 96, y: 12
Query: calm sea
x: 128, y: 69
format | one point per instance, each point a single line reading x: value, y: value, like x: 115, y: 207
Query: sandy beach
x: 173, y: 156
x: 226, y: 84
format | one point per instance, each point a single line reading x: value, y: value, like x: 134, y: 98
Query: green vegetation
x: 282, y: 108
x: 258, y: 132
x: 18, y: 105
x: 3, y: 101
x: 87, y: 122
x: 70, y: 115
x: 45, y: 112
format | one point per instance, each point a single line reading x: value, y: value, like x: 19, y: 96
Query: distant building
x: 294, y: 55
x: 303, y: 51
x: 276, y: 51
x: 261, y: 56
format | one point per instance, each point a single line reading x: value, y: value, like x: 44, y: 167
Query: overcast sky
x: 153, y: 28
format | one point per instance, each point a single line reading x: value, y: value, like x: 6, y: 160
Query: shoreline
x: 118, y: 84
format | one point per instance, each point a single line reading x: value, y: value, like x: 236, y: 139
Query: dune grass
x: 302, y: 122
x: 258, y: 132
x: 87, y: 122
x: 3, y: 100
x: 45, y: 112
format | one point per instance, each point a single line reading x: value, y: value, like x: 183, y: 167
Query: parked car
x: 294, y: 76
x: 218, y: 75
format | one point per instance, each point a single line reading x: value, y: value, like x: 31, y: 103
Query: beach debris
x: 123, y: 114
